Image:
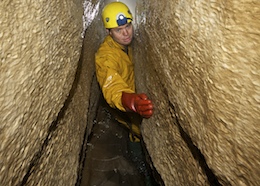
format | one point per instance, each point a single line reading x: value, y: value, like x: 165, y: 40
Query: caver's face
x: 122, y: 34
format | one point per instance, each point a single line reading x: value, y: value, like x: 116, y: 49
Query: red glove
x: 138, y: 103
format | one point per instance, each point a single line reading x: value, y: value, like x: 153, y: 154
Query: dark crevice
x: 88, y: 134
x: 92, y: 112
x: 36, y: 158
x: 158, y: 181
x: 196, y: 153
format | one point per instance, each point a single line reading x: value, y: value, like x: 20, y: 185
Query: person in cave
x: 115, y: 75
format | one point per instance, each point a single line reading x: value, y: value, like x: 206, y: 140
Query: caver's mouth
x: 127, y: 40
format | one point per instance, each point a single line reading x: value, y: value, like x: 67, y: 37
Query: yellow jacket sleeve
x: 115, y: 72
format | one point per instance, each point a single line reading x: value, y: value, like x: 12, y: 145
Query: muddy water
x: 107, y: 159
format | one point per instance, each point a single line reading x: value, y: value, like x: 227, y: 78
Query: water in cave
x: 107, y: 160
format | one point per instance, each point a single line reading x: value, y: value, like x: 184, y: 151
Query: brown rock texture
x: 40, y: 49
x: 201, y: 59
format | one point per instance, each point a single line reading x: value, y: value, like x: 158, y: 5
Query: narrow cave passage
x: 107, y: 159
x: 105, y: 155
x: 197, y: 60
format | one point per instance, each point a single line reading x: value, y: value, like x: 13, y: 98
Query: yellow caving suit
x: 115, y: 74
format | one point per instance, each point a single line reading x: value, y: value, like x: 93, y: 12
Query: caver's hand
x: 138, y: 103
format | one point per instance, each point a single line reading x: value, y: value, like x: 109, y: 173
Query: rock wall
x: 199, y: 63
x: 43, y: 108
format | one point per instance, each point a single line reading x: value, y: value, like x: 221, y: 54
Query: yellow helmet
x: 116, y: 14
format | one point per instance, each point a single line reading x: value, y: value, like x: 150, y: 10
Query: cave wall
x: 43, y: 107
x: 199, y: 62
